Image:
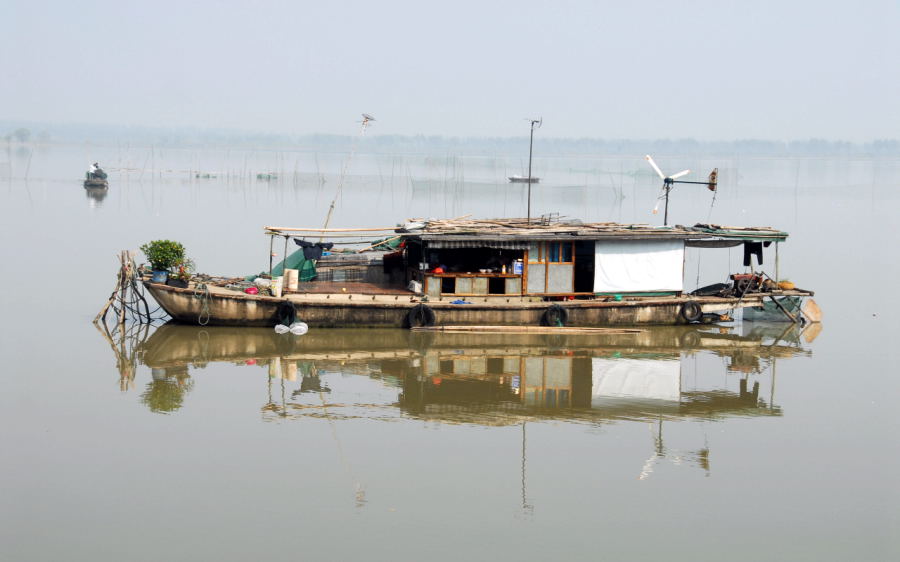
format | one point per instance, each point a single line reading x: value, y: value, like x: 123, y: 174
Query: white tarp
x: 629, y: 266
x: 652, y: 379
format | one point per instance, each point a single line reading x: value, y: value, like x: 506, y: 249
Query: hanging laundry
x: 313, y: 250
x: 753, y: 249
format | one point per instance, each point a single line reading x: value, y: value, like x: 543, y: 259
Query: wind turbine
x: 670, y: 181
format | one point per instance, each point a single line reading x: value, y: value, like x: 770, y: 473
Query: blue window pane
x: 554, y: 252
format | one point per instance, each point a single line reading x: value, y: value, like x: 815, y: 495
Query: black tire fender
x: 420, y: 315
x: 691, y: 311
x: 555, y: 315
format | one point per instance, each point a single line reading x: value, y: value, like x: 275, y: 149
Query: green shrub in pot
x: 163, y: 255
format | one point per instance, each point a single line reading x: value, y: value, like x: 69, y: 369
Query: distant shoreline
x: 19, y: 132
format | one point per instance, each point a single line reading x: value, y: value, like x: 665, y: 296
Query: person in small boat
x: 97, y: 172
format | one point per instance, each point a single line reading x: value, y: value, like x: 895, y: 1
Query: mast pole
x: 530, y: 145
x: 666, y: 215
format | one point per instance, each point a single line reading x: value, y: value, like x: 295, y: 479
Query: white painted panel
x: 628, y: 266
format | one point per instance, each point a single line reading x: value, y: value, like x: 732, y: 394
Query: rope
x: 201, y: 291
x: 711, y: 204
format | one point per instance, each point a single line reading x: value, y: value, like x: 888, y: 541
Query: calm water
x: 184, y: 443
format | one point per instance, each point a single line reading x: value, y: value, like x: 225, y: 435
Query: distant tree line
x: 544, y: 146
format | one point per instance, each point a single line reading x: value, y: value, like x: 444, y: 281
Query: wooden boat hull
x: 96, y: 183
x: 221, y: 307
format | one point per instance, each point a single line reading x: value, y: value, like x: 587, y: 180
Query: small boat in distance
x: 523, y: 179
x: 95, y: 177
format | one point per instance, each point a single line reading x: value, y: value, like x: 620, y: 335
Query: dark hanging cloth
x: 392, y: 261
x: 313, y: 250
x: 753, y: 249
x: 287, y: 314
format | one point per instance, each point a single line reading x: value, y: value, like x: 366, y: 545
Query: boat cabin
x: 512, y: 257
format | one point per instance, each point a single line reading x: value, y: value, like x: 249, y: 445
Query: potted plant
x: 181, y: 273
x: 163, y: 255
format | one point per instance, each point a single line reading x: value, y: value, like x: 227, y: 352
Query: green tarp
x: 296, y: 260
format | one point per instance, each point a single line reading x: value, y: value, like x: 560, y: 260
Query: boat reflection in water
x: 652, y: 375
x: 96, y: 195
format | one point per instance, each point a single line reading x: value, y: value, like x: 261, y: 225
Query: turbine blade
x: 662, y: 176
x: 679, y: 174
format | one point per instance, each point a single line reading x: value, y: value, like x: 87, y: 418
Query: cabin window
x: 559, y: 252
x: 448, y: 284
x: 535, y: 253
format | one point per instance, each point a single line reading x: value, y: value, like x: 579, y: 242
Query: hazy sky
x: 711, y: 70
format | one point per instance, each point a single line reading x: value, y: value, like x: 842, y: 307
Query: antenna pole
x: 534, y: 122
x: 530, y: 144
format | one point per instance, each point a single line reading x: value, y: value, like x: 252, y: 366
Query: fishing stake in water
x: 127, y: 301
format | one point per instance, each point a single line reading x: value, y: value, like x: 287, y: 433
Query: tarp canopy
x: 631, y: 266
x: 713, y: 243
x: 307, y: 268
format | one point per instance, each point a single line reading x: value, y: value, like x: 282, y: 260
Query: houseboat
x: 498, y: 272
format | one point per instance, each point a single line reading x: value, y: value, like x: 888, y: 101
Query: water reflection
x: 96, y: 195
x: 657, y: 377
x: 494, y: 379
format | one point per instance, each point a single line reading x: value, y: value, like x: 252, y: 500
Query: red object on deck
x: 251, y: 290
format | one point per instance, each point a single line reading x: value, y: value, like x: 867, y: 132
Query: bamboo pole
x: 364, y: 237
x: 291, y: 229
x: 379, y: 244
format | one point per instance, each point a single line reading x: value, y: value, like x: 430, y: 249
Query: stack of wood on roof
x: 521, y: 227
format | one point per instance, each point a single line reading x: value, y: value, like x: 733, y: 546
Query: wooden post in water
x: 123, y: 286
x: 127, y: 296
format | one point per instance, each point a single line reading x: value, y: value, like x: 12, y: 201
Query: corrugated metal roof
x: 442, y: 242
